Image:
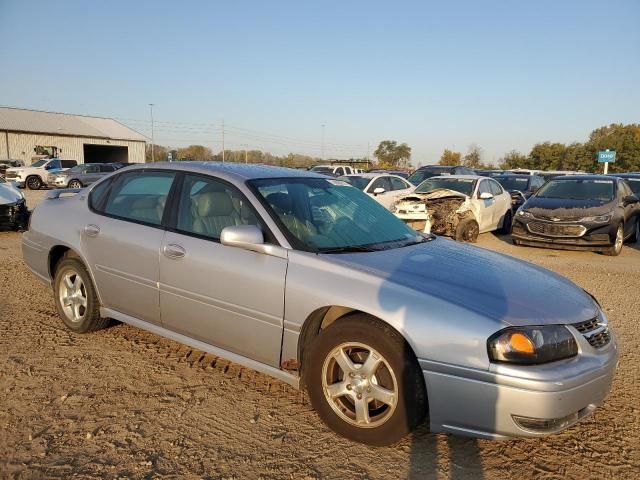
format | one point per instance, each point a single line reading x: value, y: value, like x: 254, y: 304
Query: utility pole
x: 245, y: 153
x: 223, y: 139
x: 153, y: 157
x: 322, y: 154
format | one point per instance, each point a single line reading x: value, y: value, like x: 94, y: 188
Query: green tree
x: 473, y: 158
x: 548, y: 156
x: 514, y: 159
x: 624, y: 139
x: 392, y: 155
x: 450, y: 158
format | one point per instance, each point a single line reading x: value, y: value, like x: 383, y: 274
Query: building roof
x: 52, y: 123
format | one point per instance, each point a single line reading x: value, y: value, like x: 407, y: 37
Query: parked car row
x: 305, y: 278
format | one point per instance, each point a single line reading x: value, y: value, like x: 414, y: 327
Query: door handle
x: 92, y: 230
x: 174, y: 251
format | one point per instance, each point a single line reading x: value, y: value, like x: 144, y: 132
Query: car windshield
x: 420, y: 176
x: 462, y: 185
x: 634, y: 183
x: 514, y: 183
x: 357, y: 181
x: 578, y: 189
x: 329, y: 216
x: 39, y: 163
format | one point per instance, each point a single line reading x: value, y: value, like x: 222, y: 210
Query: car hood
x: 439, y: 193
x: 567, y: 209
x: 496, y: 286
x: 9, y: 195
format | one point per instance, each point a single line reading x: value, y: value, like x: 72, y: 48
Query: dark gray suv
x: 81, y: 175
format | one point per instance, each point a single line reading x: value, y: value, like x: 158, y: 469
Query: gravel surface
x: 125, y: 403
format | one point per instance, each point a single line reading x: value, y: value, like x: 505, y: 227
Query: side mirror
x: 485, y: 196
x: 249, y: 237
x: 378, y: 191
x: 630, y: 199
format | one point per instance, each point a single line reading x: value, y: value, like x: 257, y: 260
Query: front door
x: 224, y: 296
x: 122, y: 240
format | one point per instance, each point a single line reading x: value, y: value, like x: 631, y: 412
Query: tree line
x: 624, y: 139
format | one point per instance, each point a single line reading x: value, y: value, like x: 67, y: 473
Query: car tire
x: 75, y: 297
x: 74, y: 184
x: 615, y: 249
x: 635, y: 236
x: 467, y: 231
x: 378, y: 406
x: 505, y: 229
x: 34, y: 182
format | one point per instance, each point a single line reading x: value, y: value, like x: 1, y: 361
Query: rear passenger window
x: 107, y: 168
x: 207, y: 206
x: 140, y: 197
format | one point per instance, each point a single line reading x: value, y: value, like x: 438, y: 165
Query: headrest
x: 280, y: 200
x: 144, y: 203
x: 214, y: 204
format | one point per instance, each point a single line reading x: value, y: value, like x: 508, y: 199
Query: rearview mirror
x: 630, y: 199
x: 486, y: 196
x: 249, y: 237
x: 378, y: 191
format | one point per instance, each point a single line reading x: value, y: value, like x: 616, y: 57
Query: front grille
x: 555, y: 230
x: 586, y: 327
x: 596, y: 333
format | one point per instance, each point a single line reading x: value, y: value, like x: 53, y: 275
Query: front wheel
x: 364, y: 381
x: 34, y: 182
x: 615, y: 249
x: 75, y: 184
x: 467, y: 231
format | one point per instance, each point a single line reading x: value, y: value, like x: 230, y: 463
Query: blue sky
x: 501, y: 74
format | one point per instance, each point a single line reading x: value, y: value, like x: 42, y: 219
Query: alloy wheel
x: 73, y: 296
x: 619, y: 238
x: 74, y: 184
x: 360, y: 385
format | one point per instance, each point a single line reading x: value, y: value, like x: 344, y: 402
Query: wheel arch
x: 60, y: 251
x: 323, y: 317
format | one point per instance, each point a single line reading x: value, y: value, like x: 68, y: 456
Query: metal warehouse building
x: 29, y: 134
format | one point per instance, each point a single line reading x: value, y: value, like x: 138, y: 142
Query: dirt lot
x: 125, y: 403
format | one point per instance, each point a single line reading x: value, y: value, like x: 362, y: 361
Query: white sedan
x: 386, y: 189
x: 459, y: 206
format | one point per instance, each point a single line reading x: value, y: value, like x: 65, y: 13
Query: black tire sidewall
x: 91, y: 316
x: 411, y: 407
x: 463, y: 227
x: 36, y: 179
x: 506, y: 222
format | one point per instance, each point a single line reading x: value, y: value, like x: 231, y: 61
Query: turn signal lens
x: 532, y: 345
x: 519, y: 342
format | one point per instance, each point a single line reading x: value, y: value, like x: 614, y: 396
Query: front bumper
x: 14, y: 216
x: 589, y: 236
x: 499, y: 404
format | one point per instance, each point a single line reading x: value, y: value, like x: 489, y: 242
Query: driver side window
x: 207, y: 206
x: 483, y: 188
x: 382, y: 182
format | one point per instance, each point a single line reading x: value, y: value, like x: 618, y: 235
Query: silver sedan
x: 309, y: 280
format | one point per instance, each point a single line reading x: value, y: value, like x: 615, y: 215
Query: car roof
x: 625, y: 175
x: 463, y: 177
x: 372, y: 175
x: 586, y: 177
x: 514, y: 175
x: 238, y: 171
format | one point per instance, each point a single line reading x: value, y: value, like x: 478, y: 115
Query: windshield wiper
x: 349, y: 249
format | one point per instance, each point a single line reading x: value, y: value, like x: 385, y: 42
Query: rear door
x: 91, y: 174
x: 224, y: 296
x: 122, y: 237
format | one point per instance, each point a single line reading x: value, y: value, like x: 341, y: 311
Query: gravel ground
x: 125, y: 403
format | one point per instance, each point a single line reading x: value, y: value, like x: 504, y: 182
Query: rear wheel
x: 505, y: 229
x: 615, y: 249
x: 34, y: 182
x: 75, y: 184
x: 75, y: 297
x: 364, y: 381
x: 467, y: 231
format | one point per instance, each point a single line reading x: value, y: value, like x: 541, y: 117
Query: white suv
x: 35, y: 175
x: 336, y: 170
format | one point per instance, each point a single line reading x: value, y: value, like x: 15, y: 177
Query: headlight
x: 598, y: 218
x: 524, y: 214
x: 532, y: 345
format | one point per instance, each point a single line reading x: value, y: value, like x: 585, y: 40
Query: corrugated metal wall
x: 21, y: 146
